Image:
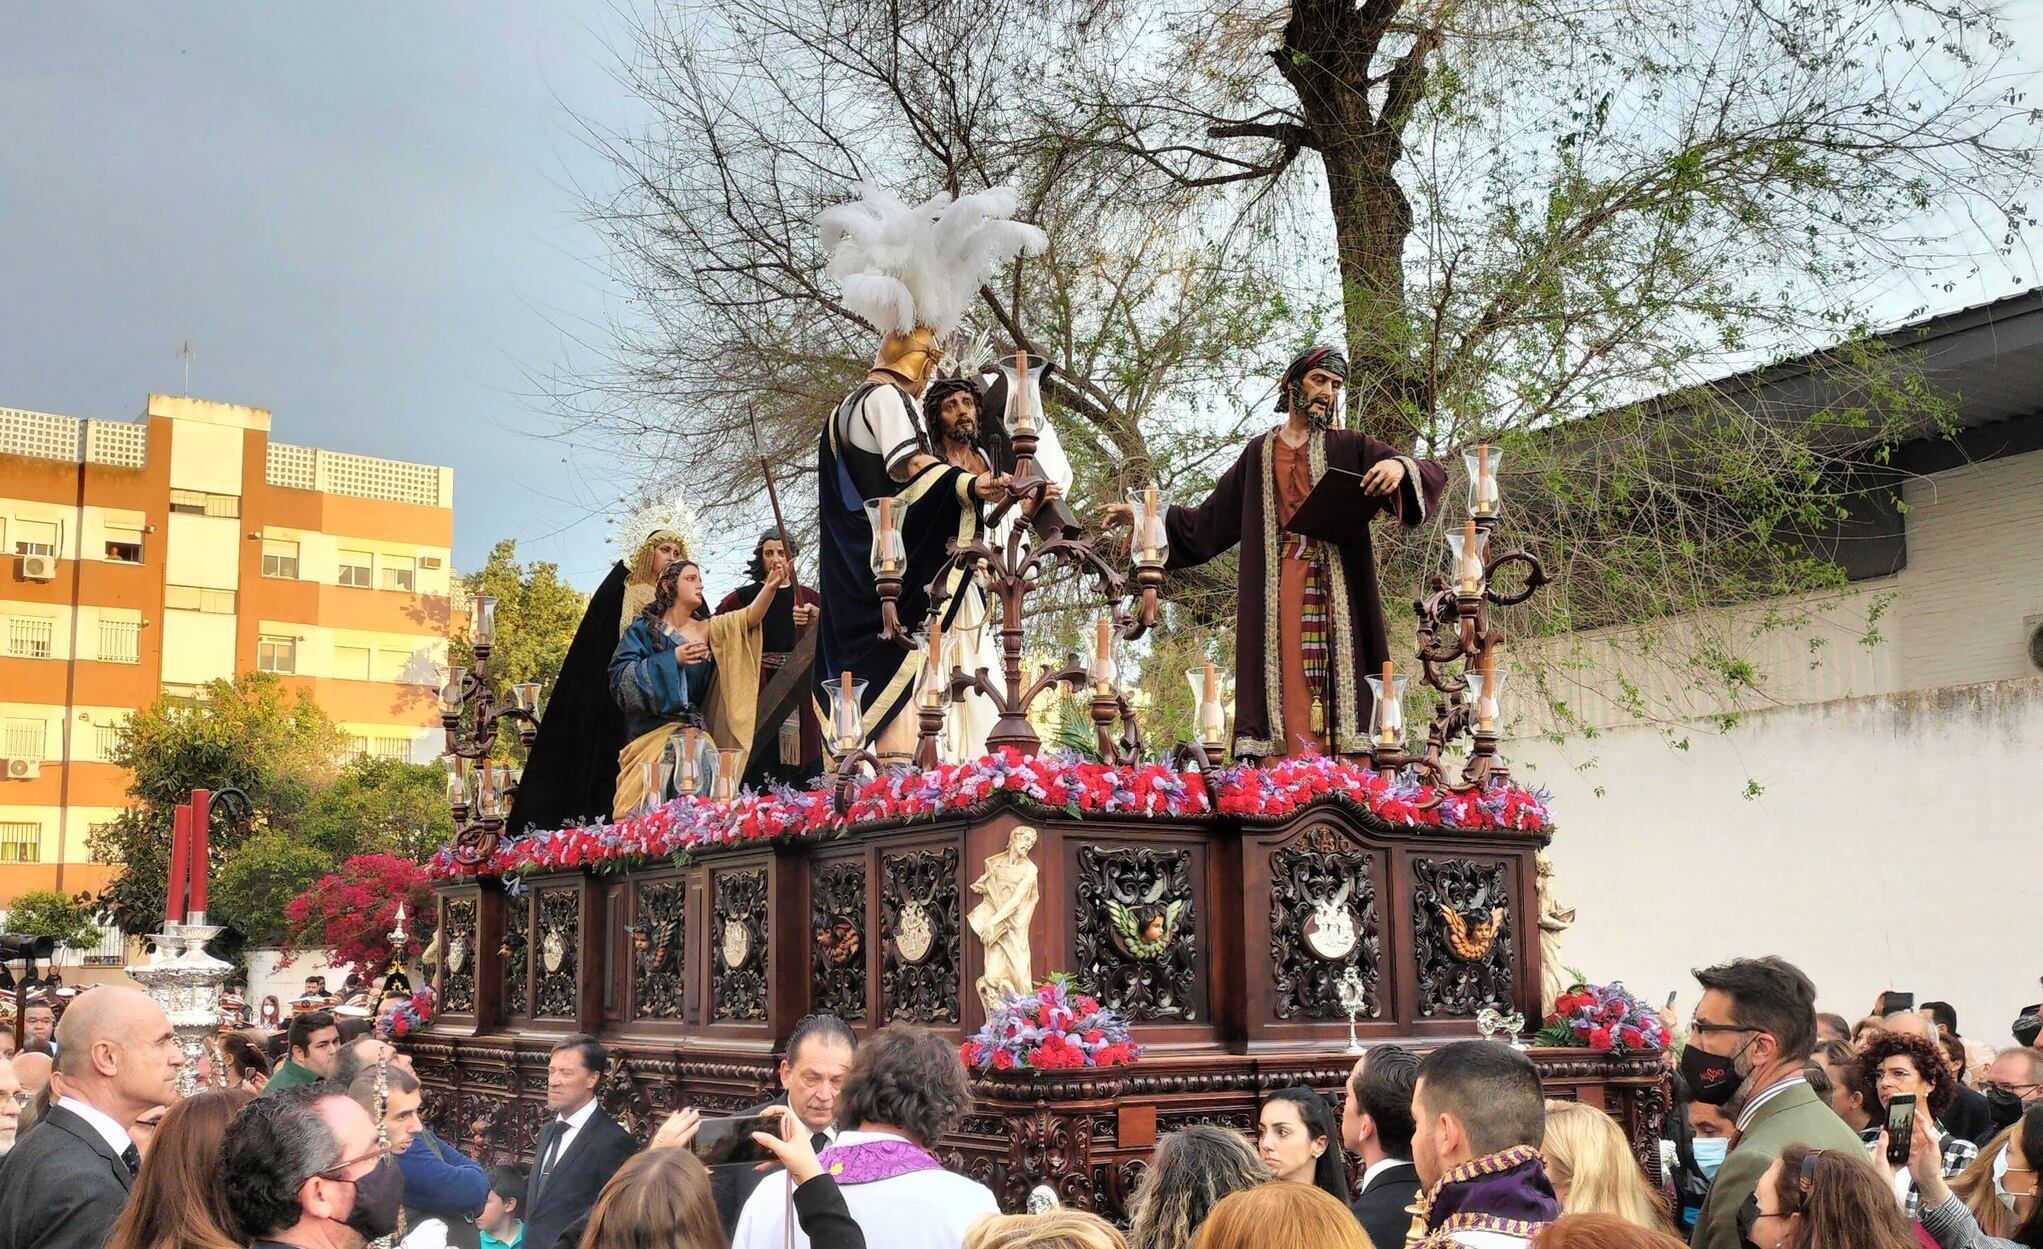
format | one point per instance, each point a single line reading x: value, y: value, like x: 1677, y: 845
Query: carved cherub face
x: 1154, y: 929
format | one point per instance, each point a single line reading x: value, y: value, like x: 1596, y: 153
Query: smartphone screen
x: 1900, y: 1126
x: 729, y: 1140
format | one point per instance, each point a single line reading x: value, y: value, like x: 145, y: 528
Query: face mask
x: 1713, y: 1079
x: 2000, y: 1173
x: 1709, y: 1154
x: 379, y: 1199
x: 2005, y: 1107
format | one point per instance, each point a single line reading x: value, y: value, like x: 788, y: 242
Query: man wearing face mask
x: 2014, y: 1082
x: 303, y: 1171
x: 1751, y: 1037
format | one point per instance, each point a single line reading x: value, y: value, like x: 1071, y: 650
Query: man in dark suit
x: 580, y: 1148
x: 64, y: 1184
x: 819, y: 1053
x: 1376, y: 1125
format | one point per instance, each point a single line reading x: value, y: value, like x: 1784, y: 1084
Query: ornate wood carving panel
x: 557, y: 946
x: 919, y: 919
x: 659, y: 930
x: 1136, y: 933
x: 1462, y: 935
x: 737, y: 953
x: 837, y: 931
x: 1325, y: 927
x: 516, y: 953
x: 457, y: 956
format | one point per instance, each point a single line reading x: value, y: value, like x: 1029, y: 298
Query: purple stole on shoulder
x: 868, y: 1162
x: 1505, y: 1192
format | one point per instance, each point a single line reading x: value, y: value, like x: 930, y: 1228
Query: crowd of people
x: 1789, y: 1130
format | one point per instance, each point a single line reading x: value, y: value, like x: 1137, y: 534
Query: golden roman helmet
x: 912, y: 357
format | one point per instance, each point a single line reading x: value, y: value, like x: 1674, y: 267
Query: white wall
x: 1898, y: 843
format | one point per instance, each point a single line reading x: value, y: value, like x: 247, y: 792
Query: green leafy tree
x: 260, y: 879
x: 536, y: 617
x: 49, y: 913
x: 379, y: 805
x: 251, y: 733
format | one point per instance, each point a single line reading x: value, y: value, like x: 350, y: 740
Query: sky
x: 364, y: 217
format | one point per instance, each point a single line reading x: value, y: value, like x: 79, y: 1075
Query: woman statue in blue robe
x: 677, y: 665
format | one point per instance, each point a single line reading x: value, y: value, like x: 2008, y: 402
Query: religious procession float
x: 835, y: 800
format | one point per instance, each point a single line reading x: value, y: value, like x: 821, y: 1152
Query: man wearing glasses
x: 12, y: 1099
x: 305, y: 1172
x: 2013, y: 1084
x: 1748, y: 1044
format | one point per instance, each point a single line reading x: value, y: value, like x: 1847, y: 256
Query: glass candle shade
x: 1387, y: 711
x: 450, y: 693
x: 935, y: 673
x: 457, y: 781
x: 1209, y: 712
x: 889, y: 556
x: 1024, y: 374
x: 1465, y: 552
x: 1150, y: 545
x: 1101, y: 670
x: 1481, y: 463
x: 1486, y: 691
x: 847, y: 719
x: 726, y: 785
x: 483, y: 619
x: 525, y: 696
x: 654, y: 776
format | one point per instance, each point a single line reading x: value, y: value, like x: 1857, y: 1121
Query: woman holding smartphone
x: 1908, y: 1073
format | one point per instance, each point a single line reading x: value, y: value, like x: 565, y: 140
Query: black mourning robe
x: 571, y: 775
x: 1243, y: 509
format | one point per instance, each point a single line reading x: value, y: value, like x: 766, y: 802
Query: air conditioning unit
x: 429, y: 561
x: 21, y: 769
x: 39, y: 568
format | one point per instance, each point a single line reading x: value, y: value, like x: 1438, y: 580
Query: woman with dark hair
x: 1898, y: 1064
x: 677, y: 665
x: 179, y: 1200
x: 1825, y: 1199
x: 1944, y: 1215
x: 906, y: 1089
x: 798, y: 743
x: 1299, y: 1138
x: 1190, y: 1172
x: 246, y: 1066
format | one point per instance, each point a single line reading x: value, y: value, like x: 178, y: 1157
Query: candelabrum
x: 186, y: 982
x: 1454, y: 627
x: 475, y: 788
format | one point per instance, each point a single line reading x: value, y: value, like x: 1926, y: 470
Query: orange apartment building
x: 149, y: 557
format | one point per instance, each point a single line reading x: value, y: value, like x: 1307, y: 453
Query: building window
x: 199, y: 598
x: 277, y: 654
x: 358, y: 748
x: 390, y: 665
x: 279, y: 558
x: 24, y: 739
x: 94, y: 852
x: 399, y: 574
x: 29, y: 638
x: 106, y: 741
x: 201, y: 503
x: 124, y: 544
x: 351, y: 663
x: 120, y: 641
x: 398, y: 748
x: 354, y: 569
x: 21, y: 843
x: 36, y: 537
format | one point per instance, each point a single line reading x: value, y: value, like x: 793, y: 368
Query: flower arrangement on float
x: 1602, y: 1017
x: 1053, y: 1028
x: 406, y: 1015
x: 1067, y: 782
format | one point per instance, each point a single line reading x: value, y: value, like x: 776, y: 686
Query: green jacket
x: 1795, y: 1116
x: 289, y: 1076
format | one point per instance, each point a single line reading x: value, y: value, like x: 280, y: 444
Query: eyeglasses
x: 1699, y: 1026
x: 2019, y: 1090
x: 334, y: 1172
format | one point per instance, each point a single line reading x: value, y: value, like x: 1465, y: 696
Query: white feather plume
x: 902, y: 265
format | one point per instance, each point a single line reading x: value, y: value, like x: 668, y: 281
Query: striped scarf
x: 1314, y: 632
